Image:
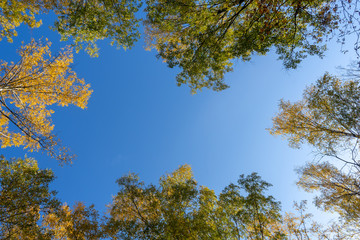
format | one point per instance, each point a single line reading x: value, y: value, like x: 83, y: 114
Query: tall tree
x: 302, y: 226
x: 253, y: 214
x: 203, y: 38
x: 177, y: 209
x: 85, y: 21
x: 327, y: 118
x: 29, y: 209
x: 339, y: 191
x: 79, y: 223
x: 148, y: 212
x: 28, y: 88
x: 180, y: 209
x: 24, y: 198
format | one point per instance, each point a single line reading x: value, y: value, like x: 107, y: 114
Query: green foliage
x: 180, y: 209
x: 252, y: 214
x: 177, y: 209
x: 87, y: 21
x: 203, y: 38
x: 29, y: 210
x: 24, y: 198
x: 84, y: 21
x: 147, y: 212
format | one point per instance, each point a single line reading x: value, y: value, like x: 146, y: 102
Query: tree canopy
x: 177, y: 208
x: 203, y: 38
x: 78, y: 223
x: 339, y: 189
x: 28, y: 88
x: 180, y: 209
x: 327, y: 117
x: 84, y: 21
x: 24, y: 198
x: 30, y: 210
x: 87, y: 21
x: 14, y: 12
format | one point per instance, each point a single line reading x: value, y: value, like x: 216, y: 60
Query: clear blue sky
x: 139, y: 121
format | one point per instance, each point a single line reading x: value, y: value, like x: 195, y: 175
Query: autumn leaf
x: 27, y: 90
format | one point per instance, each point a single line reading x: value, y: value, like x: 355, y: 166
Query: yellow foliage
x: 28, y: 87
x: 326, y: 118
x: 79, y: 223
x: 180, y: 175
x: 15, y: 12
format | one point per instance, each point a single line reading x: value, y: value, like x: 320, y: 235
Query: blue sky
x: 139, y: 121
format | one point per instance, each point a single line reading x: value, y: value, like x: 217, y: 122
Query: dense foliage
x: 28, y: 88
x: 24, y: 198
x: 84, y: 21
x: 327, y: 117
x: 203, y: 38
x: 178, y: 208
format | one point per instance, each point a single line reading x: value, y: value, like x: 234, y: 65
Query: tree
x: 167, y: 212
x: 203, y: 38
x: 252, y: 214
x: 28, y: 88
x: 302, y: 226
x: 29, y: 209
x: 204, y: 45
x: 339, y: 190
x: 15, y: 12
x: 24, y: 198
x: 180, y: 209
x: 79, y: 223
x: 327, y: 117
x: 177, y: 209
x: 85, y: 21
